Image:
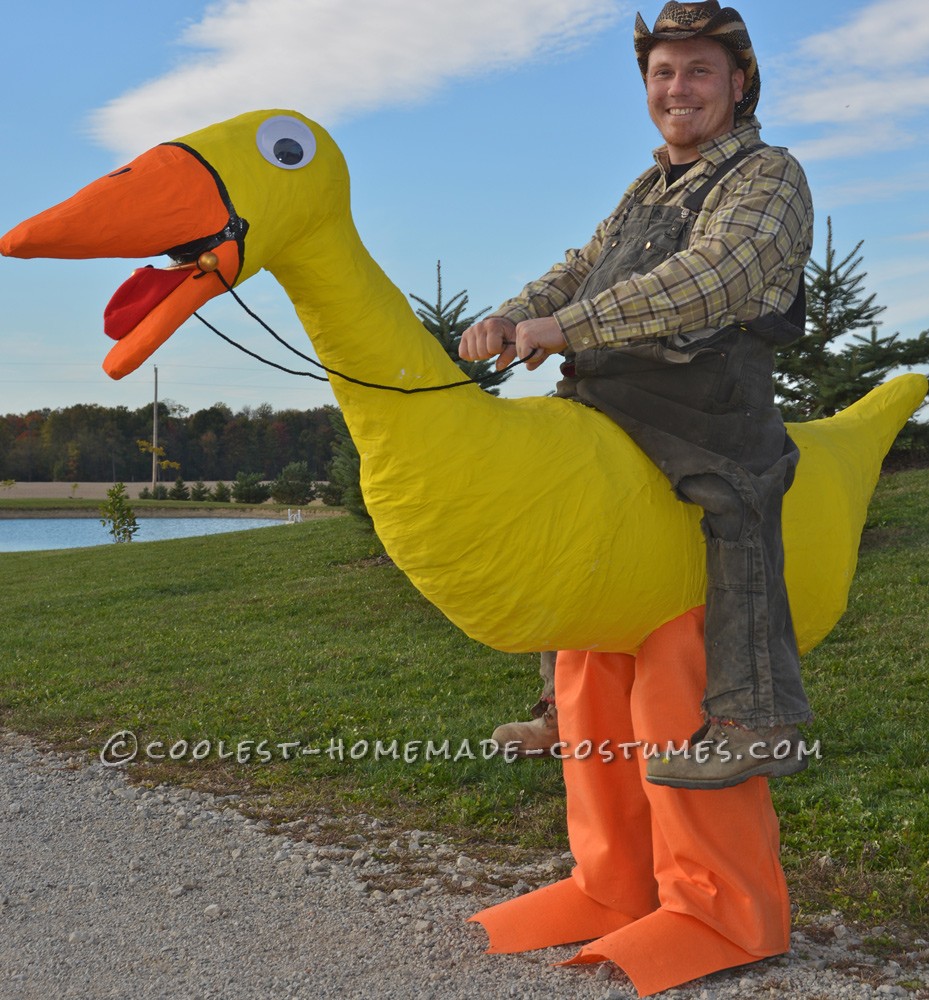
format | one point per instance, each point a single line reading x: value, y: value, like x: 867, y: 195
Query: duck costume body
x: 671, y: 884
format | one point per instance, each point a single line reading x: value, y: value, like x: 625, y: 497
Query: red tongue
x: 137, y: 297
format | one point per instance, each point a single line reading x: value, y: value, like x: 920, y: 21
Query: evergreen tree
x: 446, y: 322
x: 221, y: 493
x: 345, y: 470
x: 199, y: 491
x: 249, y: 487
x: 821, y: 374
x: 294, y: 485
x: 179, y: 491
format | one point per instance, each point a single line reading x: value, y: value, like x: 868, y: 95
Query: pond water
x: 29, y: 534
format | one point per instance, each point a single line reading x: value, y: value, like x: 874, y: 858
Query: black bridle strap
x: 333, y: 371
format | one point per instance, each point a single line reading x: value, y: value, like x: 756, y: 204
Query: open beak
x: 167, y: 201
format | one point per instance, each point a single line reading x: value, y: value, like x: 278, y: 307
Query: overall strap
x: 694, y: 202
x: 796, y: 314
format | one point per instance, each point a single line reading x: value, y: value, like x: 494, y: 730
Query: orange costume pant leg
x: 672, y: 884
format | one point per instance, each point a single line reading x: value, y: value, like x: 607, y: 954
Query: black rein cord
x: 332, y: 371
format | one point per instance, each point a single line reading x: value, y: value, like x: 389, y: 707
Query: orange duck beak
x: 166, y: 201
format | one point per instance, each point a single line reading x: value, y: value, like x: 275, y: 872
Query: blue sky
x: 489, y: 138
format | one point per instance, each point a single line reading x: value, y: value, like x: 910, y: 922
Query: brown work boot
x: 529, y: 739
x: 719, y: 756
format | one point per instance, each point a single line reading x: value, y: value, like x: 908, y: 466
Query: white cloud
x: 847, y: 99
x: 331, y: 58
x: 886, y: 34
x: 836, y: 143
x: 863, y: 83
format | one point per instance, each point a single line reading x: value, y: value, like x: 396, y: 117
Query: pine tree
x: 250, y: 488
x: 179, y: 491
x: 294, y: 485
x: 221, y: 493
x: 345, y: 470
x: 446, y: 322
x: 199, y: 491
x: 821, y: 374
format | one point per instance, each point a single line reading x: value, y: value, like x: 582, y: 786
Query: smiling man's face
x: 692, y: 88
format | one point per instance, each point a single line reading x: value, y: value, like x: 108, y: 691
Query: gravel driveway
x: 111, y: 890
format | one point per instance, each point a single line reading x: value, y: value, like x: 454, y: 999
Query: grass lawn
x: 300, y: 633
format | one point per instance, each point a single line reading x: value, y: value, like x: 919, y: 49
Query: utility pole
x: 155, y: 435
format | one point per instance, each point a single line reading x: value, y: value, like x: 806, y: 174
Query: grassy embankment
x: 82, y: 507
x: 298, y: 634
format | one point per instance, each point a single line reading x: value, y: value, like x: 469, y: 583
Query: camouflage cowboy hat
x: 679, y: 21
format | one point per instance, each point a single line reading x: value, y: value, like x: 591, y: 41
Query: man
x: 668, y: 319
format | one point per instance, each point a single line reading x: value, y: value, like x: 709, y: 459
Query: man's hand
x: 496, y: 335
x: 543, y: 336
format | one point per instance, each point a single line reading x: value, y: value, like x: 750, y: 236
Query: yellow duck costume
x: 270, y: 189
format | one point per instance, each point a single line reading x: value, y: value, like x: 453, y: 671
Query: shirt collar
x: 718, y: 150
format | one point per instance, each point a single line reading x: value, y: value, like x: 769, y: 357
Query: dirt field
x: 59, y: 491
x: 315, y: 510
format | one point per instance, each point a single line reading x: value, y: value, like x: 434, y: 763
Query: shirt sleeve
x: 748, y: 245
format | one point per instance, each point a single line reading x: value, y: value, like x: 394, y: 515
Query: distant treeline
x: 90, y: 443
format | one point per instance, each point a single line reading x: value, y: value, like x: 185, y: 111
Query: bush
x: 179, y: 491
x: 248, y: 488
x: 117, y: 515
x: 294, y: 485
x: 161, y: 492
x: 221, y: 493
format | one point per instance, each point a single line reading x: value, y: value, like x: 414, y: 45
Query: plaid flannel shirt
x: 749, y: 246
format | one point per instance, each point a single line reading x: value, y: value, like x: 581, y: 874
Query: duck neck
x: 360, y: 323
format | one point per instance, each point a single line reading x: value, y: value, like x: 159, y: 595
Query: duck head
x: 226, y: 199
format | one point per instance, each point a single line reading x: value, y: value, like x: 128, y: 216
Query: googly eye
x: 286, y: 142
